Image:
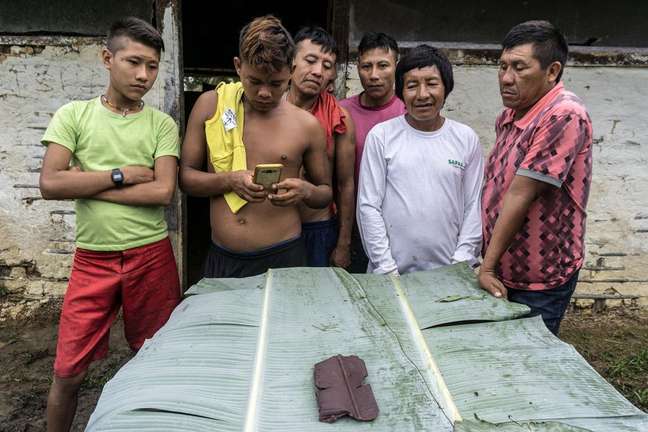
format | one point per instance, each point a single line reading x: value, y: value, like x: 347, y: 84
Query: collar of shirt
x: 387, y: 104
x: 509, y: 114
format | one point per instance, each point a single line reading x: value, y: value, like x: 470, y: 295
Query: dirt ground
x: 27, y: 349
x: 615, y: 342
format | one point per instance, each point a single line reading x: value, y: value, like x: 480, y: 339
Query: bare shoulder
x: 301, y: 117
x: 205, y: 105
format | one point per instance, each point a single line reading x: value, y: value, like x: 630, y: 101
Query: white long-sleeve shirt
x: 419, y: 203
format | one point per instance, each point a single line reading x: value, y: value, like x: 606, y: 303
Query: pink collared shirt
x: 551, y: 143
x: 365, y: 118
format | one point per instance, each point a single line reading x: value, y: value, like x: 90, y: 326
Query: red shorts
x: 144, y: 280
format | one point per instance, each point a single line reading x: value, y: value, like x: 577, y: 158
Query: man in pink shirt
x: 378, y: 54
x: 537, y: 178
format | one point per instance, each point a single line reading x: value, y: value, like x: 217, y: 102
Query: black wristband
x: 117, y: 177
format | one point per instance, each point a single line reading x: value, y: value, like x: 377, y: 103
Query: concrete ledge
x: 488, y: 54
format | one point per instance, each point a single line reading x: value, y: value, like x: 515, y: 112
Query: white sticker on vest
x: 229, y: 119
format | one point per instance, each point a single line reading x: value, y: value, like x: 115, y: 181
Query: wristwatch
x: 117, y: 176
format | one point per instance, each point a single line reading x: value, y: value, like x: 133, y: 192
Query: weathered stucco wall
x: 617, y: 225
x: 37, y: 76
x: 38, y: 235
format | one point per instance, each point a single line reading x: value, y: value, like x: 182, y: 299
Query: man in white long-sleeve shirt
x: 421, y: 176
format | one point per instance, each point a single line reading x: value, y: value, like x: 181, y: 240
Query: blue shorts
x: 551, y: 303
x: 321, y: 238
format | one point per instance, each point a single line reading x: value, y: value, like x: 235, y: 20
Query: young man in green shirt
x: 117, y: 158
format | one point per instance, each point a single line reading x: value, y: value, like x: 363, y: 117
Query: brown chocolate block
x: 340, y: 391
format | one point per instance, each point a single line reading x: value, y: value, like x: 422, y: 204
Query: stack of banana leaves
x: 441, y: 355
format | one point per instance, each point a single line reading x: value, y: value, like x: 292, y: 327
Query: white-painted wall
x: 36, y: 236
x: 36, y: 78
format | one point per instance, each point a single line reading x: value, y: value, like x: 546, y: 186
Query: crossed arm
x: 142, y: 185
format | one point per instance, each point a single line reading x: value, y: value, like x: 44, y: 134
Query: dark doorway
x: 210, y: 34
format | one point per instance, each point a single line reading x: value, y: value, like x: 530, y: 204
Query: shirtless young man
x: 266, y: 231
x: 327, y: 231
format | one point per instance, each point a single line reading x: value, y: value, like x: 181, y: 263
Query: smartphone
x: 267, y: 174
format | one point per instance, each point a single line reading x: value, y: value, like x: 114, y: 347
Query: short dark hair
x: 549, y: 44
x: 420, y: 57
x: 373, y: 40
x: 318, y: 36
x: 135, y: 29
x: 265, y: 43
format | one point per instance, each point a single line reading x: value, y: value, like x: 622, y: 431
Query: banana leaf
x: 238, y: 355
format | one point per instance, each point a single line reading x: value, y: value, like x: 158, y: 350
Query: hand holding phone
x: 267, y: 174
x: 242, y: 184
x: 290, y: 191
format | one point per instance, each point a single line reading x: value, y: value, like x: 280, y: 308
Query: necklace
x: 124, y: 111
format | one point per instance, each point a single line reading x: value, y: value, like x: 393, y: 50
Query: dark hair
x: 373, y: 40
x: 318, y: 36
x: 265, y: 43
x: 549, y: 44
x: 135, y: 29
x: 420, y: 57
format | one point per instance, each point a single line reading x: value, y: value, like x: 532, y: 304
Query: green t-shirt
x: 101, y: 140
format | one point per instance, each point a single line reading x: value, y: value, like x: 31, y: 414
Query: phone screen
x: 266, y: 176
